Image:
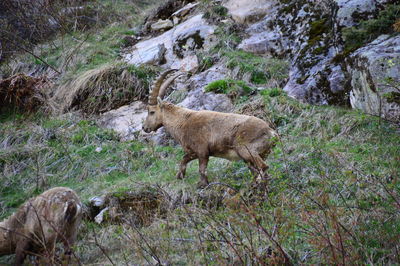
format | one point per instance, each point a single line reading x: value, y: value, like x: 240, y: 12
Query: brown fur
x: 206, y: 133
x: 42, y: 221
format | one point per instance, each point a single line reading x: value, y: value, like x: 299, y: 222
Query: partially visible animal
x: 206, y: 133
x: 53, y: 216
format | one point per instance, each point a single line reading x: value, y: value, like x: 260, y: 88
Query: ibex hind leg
x: 21, y: 251
x: 256, y: 164
x: 203, y: 161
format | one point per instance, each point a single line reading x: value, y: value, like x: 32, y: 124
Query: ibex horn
x: 156, y: 87
x: 165, y: 85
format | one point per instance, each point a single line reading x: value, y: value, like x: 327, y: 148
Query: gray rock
x: 247, y: 11
x: 162, y: 25
x: 198, y: 99
x: 267, y: 43
x: 148, y: 51
x: 97, y: 201
x: 126, y: 120
x: 308, y: 32
x: 184, y: 10
x: 100, y: 218
x: 370, y: 67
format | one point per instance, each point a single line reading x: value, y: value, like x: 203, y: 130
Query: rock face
x: 371, y: 67
x: 309, y: 34
x: 171, y: 47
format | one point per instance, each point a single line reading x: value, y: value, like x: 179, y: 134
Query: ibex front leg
x: 182, y: 168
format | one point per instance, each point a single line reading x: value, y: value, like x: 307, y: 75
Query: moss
x: 320, y: 50
x: 318, y: 27
x: 392, y: 97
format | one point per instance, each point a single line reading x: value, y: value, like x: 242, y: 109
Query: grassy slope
x: 334, y: 179
x: 333, y: 165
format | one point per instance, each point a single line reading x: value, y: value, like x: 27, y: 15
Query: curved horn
x: 156, y: 87
x: 166, y: 84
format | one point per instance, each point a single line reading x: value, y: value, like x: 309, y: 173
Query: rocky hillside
x: 325, y: 74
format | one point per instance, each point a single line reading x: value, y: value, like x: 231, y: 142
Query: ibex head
x: 154, y: 118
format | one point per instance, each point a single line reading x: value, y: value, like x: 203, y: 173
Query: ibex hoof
x: 202, y: 184
x: 180, y: 175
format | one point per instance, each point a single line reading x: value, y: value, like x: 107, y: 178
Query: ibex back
x: 206, y: 133
x: 54, y: 215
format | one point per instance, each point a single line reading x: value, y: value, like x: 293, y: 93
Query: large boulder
x: 309, y: 33
x: 169, y: 48
x: 375, y: 78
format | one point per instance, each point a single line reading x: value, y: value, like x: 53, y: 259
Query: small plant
x: 227, y: 86
x: 215, y: 13
x: 274, y: 92
x: 368, y: 30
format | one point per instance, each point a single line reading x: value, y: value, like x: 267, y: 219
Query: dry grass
x: 102, y: 89
x: 396, y: 25
x: 24, y: 93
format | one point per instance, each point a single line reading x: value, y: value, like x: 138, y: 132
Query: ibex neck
x: 174, y: 117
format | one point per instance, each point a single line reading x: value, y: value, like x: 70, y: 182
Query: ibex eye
x: 152, y: 112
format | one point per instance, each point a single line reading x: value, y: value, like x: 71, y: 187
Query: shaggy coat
x: 53, y: 216
x: 206, y: 133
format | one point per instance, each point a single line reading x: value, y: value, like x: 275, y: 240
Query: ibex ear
x: 159, y: 101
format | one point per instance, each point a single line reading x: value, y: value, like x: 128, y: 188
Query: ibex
x: 206, y: 133
x: 34, y: 229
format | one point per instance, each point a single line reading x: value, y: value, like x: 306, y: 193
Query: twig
x: 101, y: 248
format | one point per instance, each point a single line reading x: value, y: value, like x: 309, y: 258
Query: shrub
x: 368, y: 30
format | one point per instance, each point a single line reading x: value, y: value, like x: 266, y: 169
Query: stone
x: 175, y: 20
x: 162, y: 25
x: 371, y: 66
x: 100, y: 218
x: 97, y: 201
x: 247, y: 11
x: 126, y: 121
x: 184, y: 10
x: 189, y: 64
x: 267, y: 43
x: 151, y: 55
x: 198, y: 99
x: 148, y: 51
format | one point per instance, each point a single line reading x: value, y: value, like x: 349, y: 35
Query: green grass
x: 261, y: 69
x: 227, y: 86
x: 334, y: 167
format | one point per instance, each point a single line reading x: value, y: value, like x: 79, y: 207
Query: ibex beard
x: 207, y: 133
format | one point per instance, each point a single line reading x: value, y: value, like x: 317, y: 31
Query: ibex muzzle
x: 206, y: 133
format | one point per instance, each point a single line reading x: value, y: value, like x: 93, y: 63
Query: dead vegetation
x: 24, y: 93
x: 396, y: 26
x: 104, y: 88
